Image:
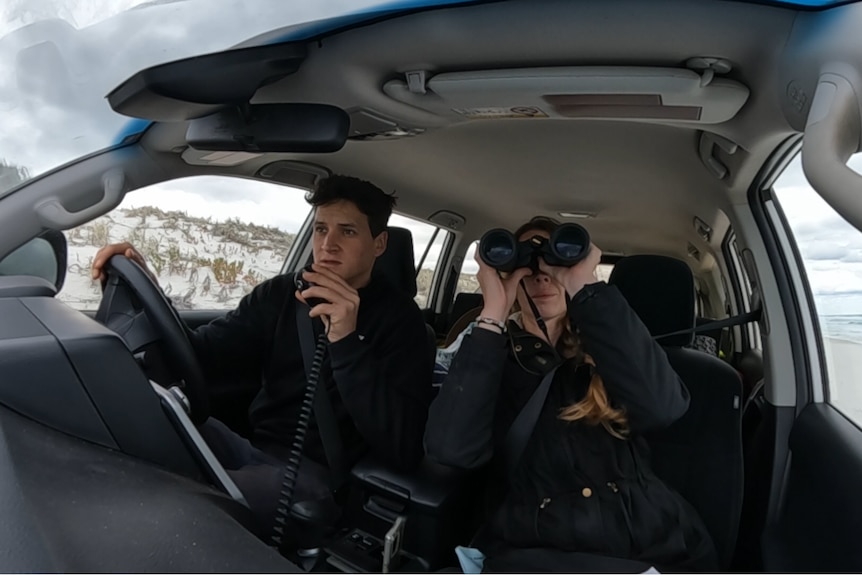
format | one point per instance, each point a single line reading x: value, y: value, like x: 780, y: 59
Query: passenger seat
x: 465, y: 309
x: 700, y: 455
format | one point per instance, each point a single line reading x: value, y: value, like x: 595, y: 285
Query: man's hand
x: 110, y: 250
x: 341, y: 306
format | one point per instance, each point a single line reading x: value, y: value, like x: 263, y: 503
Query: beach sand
x: 844, y: 366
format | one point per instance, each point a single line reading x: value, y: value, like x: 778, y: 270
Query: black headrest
x: 396, y: 264
x: 661, y: 291
x: 464, y: 302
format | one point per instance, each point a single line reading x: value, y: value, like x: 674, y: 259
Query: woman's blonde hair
x: 594, y: 408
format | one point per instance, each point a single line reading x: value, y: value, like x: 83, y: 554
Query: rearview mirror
x: 44, y: 256
x: 310, y: 128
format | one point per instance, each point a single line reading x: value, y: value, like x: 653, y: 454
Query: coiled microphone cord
x: 291, y: 470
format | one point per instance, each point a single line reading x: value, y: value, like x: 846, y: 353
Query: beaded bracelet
x: 493, y: 322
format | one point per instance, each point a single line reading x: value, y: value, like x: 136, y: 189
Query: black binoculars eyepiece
x: 568, y: 244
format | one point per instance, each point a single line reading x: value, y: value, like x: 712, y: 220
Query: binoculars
x: 568, y: 244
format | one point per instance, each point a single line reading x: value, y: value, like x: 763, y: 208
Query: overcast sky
x: 59, y: 58
x: 831, y: 247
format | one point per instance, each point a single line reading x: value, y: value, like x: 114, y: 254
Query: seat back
x: 463, y: 303
x: 699, y: 455
x: 397, y: 264
x: 714, y: 334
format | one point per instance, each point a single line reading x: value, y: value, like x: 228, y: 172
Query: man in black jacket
x: 377, y: 369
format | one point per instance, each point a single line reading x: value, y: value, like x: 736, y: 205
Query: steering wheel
x: 134, y: 307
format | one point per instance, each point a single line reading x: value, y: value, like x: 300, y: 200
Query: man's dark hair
x: 372, y: 201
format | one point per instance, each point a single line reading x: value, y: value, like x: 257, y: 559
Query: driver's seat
x: 397, y: 265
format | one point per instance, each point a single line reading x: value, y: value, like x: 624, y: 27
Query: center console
x: 405, y: 521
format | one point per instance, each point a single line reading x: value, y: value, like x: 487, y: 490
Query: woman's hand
x: 499, y: 293
x: 576, y: 277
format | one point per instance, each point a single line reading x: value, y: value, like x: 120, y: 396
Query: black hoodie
x: 577, y: 488
x: 378, y: 378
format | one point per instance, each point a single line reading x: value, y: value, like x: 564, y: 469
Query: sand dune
x: 203, y: 264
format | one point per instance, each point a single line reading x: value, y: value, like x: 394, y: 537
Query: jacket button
x: 587, y: 492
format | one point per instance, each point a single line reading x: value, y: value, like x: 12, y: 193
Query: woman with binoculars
x: 571, y: 488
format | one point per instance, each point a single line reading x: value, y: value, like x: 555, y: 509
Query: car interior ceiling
x: 493, y: 173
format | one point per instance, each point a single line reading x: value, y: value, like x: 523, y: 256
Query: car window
x: 831, y: 252
x: 428, y: 243
x: 209, y: 240
x: 744, y: 290
x: 54, y: 57
x: 467, y: 282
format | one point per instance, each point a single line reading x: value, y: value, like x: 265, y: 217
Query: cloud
x: 835, y: 279
x: 839, y: 304
x: 824, y: 251
x: 831, y: 248
x: 58, y: 60
x: 260, y: 203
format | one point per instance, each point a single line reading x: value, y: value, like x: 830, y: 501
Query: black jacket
x: 378, y: 378
x: 577, y: 488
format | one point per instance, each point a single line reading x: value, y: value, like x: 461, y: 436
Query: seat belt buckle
x: 392, y: 544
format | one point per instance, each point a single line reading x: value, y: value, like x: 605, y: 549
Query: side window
x: 603, y: 272
x: 831, y: 252
x: 467, y: 282
x: 699, y: 304
x: 743, y: 287
x: 209, y: 240
x: 428, y: 243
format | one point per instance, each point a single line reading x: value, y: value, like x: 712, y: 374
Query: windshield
x: 59, y: 58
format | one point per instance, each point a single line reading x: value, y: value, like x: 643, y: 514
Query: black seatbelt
x: 522, y: 428
x: 718, y: 324
x: 324, y: 414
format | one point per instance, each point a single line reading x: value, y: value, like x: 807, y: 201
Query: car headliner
x: 644, y: 181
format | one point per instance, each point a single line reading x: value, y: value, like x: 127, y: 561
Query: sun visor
x: 198, y: 86
x: 630, y: 93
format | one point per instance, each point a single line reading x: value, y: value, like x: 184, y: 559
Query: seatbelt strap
x: 324, y: 414
x: 522, y: 428
x: 718, y: 324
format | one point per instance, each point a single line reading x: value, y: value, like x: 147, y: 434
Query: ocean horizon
x: 842, y: 326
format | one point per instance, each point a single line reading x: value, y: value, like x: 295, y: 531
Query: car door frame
x: 811, y: 438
